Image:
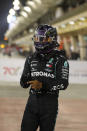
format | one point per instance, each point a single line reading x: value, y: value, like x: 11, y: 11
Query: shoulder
x: 31, y: 56
x: 28, y: 59
x: 61, y: 58
x: 59, y: 55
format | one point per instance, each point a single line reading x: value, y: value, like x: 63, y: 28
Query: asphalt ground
x: 72, y: 107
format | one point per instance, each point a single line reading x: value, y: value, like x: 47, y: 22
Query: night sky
x: 5, y: 5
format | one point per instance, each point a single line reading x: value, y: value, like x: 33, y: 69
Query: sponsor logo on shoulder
x: 65, y: 64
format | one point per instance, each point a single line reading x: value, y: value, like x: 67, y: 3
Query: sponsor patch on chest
x: 49, y: 65
x: 45, y: 74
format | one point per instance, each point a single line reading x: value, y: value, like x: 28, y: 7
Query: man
x: 45, y: 72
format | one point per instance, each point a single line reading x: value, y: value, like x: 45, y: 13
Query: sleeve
x: 60, y: 81
x: 26, y: 75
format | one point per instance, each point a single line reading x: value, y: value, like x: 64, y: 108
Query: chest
x: 43, y: 68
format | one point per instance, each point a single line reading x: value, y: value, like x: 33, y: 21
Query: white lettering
x: 42, y: 74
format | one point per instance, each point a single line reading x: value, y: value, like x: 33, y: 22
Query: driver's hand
x: 35, y: 84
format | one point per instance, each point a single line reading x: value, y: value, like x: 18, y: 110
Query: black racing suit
x: 42, y: 105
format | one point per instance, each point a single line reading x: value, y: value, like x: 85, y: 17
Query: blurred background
x: 18, y: 21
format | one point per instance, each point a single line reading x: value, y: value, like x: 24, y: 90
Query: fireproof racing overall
x: 42, y: 105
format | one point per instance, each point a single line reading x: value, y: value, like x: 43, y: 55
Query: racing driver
x: 45, y: 72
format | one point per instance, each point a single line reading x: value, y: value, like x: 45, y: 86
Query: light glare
x: 28, y: 9
x: 63, y: 25
x: 82, y: 18
x: 12, y: 12
x: 32, y: 4
x: 72, y: 22
x: 24, y: 14
x: 16, y: 2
